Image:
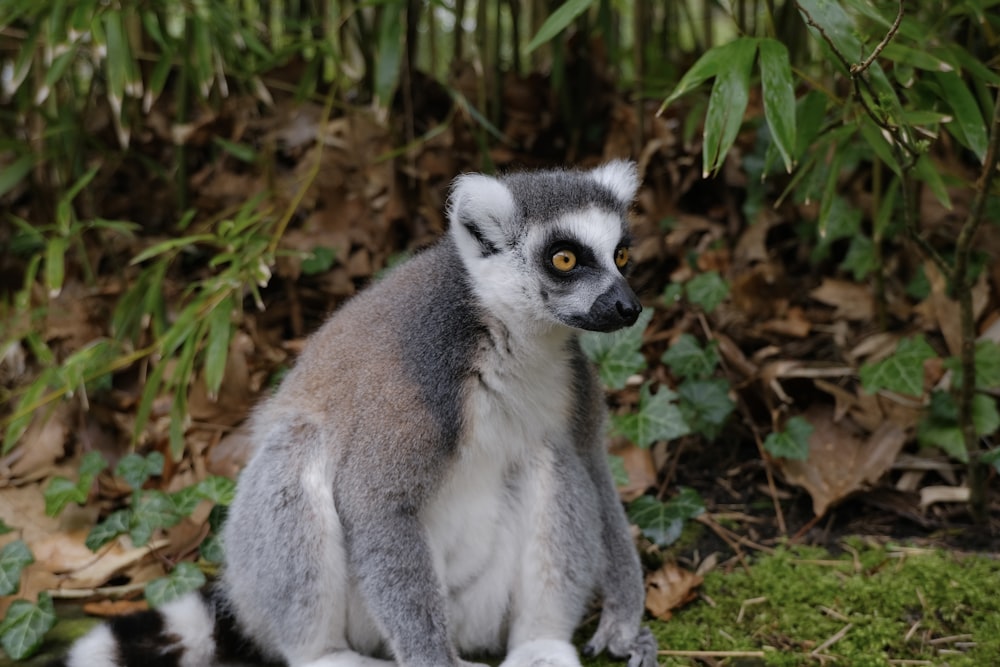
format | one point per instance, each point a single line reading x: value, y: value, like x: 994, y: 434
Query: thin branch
x: 862, y: 66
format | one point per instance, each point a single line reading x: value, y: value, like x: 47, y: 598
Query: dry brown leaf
x: 669, y: 588
x: 640, y: 468
x: 841, y: 461
x: 793, y: 324
x: 41, y: 445
x: 851, y: 300
x: 110, y: 608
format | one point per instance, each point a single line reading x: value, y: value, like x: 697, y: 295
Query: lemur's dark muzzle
x: 615, y: 309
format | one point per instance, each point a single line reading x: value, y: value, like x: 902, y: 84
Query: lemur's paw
x: 640, y: 648
x: 543, y: 653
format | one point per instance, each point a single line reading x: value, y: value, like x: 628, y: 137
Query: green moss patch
x: 868, y: 606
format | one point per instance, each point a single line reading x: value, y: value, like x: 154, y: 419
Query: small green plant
x: 886, y: 124
x: 148, y: 510
x: 700, y: 405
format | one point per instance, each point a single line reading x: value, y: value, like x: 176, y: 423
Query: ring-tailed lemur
x: 430, y: 481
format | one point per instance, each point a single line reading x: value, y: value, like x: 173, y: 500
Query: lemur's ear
x: 619, y: 176
x: 481, y: 209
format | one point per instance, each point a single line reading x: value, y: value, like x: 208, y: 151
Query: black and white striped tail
x: 196, y: 630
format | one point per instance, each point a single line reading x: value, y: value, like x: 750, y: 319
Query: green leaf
x: 4, y: 528
x: 558, y: 21
x: 91, y: 464
x: 185, y: 578
x: 135, y: 469
x: 220, y: 328
x: 672, y: 294
x: 187, y: 499
x: 116, y: 524
x: 60, y: 492
x: 987, y: 360
x: 389, y: 55
x: 219, y: 490
x: 987, y: 364
x: 687, y: 359
x: 656, y: 418
x: 707, y: 290
x: 211, y: 549
x: 617, y: 354
x: 992, y: 458
x: 793, y: 442
x: 13, y: 559
x: 779, y: 98
x: 708, y: 65
x: 55, y: 264
x: 663, y: 522
x: 151, y: 510
x: 15, y: 172
x: 727, y: 104
x: 902, y: 371
x: 985, y: 416
x: 239, y: 151
x: 705, y: 405
x: 319, y: 261
x: 618, y: 471
x: 968, y: 117
x: 25, y: 625
x: 929, y: 174
x: 860, y: 259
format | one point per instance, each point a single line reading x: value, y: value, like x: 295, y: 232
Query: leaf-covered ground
x: 745, y: 299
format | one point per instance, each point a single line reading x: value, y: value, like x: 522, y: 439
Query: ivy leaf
x: 860, y: 259
x: 687, y: 359
x: 707, y: 290
x: 4, y: 528
x: 220, y: 490
x: 793, y: 442
x: 992, y: 458
x: 663, y: 522
x: 656, y: 418
x: 672, y: 294
x: 902, y: 371
x: 150, y: 511
x: 135, y: 469
x: 940, y: 427
x: 617, y: 354
x: 705, y: 405
x: 114, y: 525
x: 185, y: 578
x: 187, y: 499
x: 61, y: 491
x: 13, y: 559
x: 987, y: 361
x: 25, y: 625
x: 211, y: 549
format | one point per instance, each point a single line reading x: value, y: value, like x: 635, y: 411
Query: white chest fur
x: 480, y: 522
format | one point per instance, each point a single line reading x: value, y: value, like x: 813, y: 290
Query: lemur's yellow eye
x: 564, y: 260
x: 621, y: 257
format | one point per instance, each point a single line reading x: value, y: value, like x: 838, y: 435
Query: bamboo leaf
x: 727, y: 104
x: 779, y: 98
x: 967, y: 114
x: 708, y: 65
x: 390, y: 52
x: 12, y: 175
x: 558, y: 21
x: 217, y: 348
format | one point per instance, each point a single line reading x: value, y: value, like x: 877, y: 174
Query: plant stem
x: 962, y: 284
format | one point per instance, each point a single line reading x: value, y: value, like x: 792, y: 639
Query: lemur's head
x: 549, y: 246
